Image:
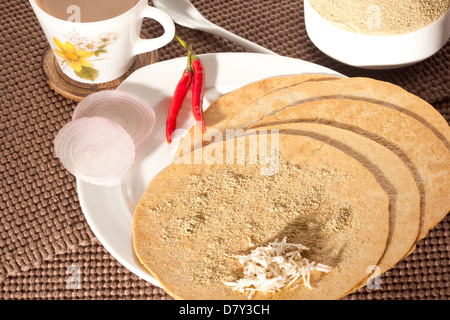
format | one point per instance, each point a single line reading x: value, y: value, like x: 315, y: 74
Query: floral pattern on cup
x: 80, y: 53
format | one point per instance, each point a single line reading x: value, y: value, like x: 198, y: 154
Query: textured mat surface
x: 47, y: 250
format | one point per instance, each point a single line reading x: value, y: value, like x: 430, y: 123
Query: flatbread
x: 365, y: 89
x: 194, y: 218
x: 223, y: 110
x: 424, y: 153
x: 244, y: 107
x: 390, y: 171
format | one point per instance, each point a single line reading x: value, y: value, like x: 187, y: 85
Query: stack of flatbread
x: 354, y: 170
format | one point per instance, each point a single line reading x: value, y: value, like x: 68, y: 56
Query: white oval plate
x: 109, y: 210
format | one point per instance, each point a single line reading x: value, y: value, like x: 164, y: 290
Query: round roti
x: 222, y: 111
x: 364, y: 89
x: 390, y: 171
x: 194, y: 219
x: 423, y: 152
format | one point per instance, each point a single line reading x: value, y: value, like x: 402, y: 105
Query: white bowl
x: 373, y: 51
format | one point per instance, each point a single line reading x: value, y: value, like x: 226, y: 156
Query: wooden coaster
x: 74, y: 90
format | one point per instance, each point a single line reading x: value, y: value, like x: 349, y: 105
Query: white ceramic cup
x: 102, y: 51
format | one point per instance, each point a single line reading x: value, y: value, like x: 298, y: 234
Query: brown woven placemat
x: 43, y: 232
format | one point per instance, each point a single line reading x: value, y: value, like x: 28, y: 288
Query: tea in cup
x: 96, y: 41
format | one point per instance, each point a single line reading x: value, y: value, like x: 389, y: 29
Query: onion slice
x: 126, y: 109
x: 96, y: 150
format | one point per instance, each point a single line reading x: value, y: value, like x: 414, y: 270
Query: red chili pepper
x: 181, y: 90
x: 198, y: 91
x: 198, y: 87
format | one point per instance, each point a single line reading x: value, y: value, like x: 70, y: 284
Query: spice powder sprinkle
x: 381, y: 17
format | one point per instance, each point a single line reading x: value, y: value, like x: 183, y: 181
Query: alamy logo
x: 258, y: 147
x: 374, y: 20
x: 75, y: 13
x: 74, y: 280
x: 374, y: 280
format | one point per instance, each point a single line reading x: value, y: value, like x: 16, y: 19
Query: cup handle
x: 147, y: 45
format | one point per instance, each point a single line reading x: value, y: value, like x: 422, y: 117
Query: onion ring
x: 96, y: 150
x: 126, y: 109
